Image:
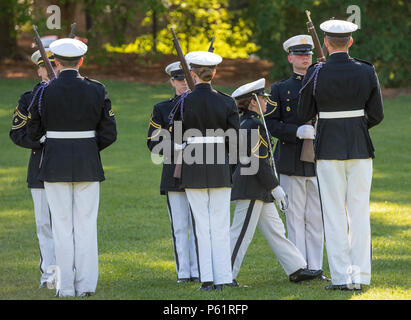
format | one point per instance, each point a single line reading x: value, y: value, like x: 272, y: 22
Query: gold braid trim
x: 22, y: 124
x: 22, y: 116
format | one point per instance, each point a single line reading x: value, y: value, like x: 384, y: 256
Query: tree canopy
x: 240, y: 27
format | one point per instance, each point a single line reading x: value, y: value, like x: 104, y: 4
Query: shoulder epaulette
x: 159, y: 104
x: 224, y: 94
x: 364, y: 61
x: 26, y: 93
x: 93, y: 80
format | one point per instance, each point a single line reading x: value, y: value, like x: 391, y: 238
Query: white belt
x: 191, y: 140
x: 341, y: 114
x: 70, y: 134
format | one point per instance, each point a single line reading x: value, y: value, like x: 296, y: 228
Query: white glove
x: 43, y: 139
x: 306, y: 131
x: 280, y: 197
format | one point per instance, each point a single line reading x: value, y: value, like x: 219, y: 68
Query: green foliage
x: 195, y: 23
x: 383, y: 38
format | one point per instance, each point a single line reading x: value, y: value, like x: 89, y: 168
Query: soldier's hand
x: 43, y: 139
x: 280, y: 197
x: 306, y: 131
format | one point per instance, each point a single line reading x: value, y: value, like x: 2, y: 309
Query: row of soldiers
x: 68, y: 120
x: 335, y: 106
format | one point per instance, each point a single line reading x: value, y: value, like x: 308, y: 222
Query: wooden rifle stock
x: 183, y: 62
x: 50, y: 71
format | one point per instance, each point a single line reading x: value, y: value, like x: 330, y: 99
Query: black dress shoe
x: 304, y: 274
x: 183, y: 280
x: 85, y: 294
x: 232, y: 284
x: 357, y: 286
x: 195, y: 279
x: 343, y: 287
x: 321, y: 275
x: 218, y: 287
x: 207, y: 286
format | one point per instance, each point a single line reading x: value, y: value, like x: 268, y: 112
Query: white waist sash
x: 191, y: 140
x: 70, y: 134
x: 341, y: 114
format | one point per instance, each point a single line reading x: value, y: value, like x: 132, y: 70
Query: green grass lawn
x: 135, y: 243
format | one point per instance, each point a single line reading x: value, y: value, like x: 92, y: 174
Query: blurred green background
x: 243, y: 28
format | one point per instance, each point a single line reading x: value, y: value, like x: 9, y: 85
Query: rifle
x: 50, y: 71
x: 183, y: 62
x: 211, y: 48
x: 72, y: 34
x: 307, y: 150
x: 317, y: 46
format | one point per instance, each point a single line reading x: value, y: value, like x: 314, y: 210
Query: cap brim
x: 300, y: 53
x: 181, y: 77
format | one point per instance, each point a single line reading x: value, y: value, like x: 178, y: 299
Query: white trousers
x: 345, y: 196
x: 183, y: 238
x: 304, y: 218
x: 74, y: 208
x: 44, y: 231
x: 210, y: 209
x: 248, y: 215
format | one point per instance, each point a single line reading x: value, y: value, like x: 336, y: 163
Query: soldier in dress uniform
x: 18, y: 135
x: 254, y: 194
x: 177, y: 203
x: 208, y: 185
x: 298, y: 178
x: 76, y: 116
x: 345, y: 94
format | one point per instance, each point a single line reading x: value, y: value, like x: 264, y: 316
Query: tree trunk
x: 154, y: 31
x: 8, y: 40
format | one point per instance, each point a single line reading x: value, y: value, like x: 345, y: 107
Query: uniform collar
x: 68, y: 73
x: 297, y: 76
x: 339, y: 56
x: 203, y: 86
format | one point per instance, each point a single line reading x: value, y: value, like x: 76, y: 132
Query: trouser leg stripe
x: 174, y: 238
x: 243, y: 231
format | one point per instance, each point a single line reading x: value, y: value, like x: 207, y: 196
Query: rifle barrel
x: 50, y: 71
x: 183, y: 62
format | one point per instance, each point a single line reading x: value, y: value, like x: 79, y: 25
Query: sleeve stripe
x: 22, y: 124
x: 22, y: 116
x: 157, y: 132
x: 155, y: 125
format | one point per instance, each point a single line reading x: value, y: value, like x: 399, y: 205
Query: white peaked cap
x: 68, y: 48
x: 302, y: 40
x: 172, y: 67
x: 203, y: 58
x: 36, y: 56
x: 248, y: 89
x: 338, y: 27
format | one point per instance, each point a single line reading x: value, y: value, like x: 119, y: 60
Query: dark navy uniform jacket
x: 159, y: 120
x: 206, y: 108
x: 73, y: 103
x: 259, y: 185
x: 18, y: 135
x: 282, y: 122
x: 343, y: 84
